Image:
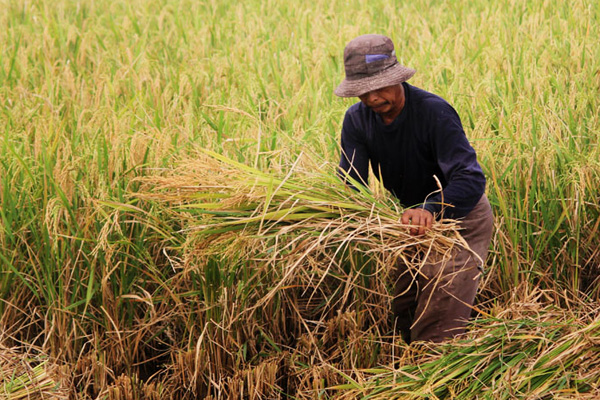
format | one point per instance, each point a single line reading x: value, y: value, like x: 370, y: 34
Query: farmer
x: 413, y: 139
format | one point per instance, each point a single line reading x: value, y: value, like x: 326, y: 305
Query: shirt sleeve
x: 456, y: 158
x: 354, y: 160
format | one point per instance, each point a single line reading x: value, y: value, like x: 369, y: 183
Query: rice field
x: 171, y: 225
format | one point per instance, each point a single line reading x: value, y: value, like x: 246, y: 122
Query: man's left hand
x: 420, y: 218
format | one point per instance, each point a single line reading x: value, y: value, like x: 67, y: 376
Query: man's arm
x: 465, y: 182
x: 354, y: 160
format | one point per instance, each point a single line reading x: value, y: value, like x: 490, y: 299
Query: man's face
x: 384, y: 100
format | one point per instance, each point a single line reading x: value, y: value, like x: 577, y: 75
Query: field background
x: 97, y: 94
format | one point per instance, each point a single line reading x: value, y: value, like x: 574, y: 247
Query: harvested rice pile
x: 25, y: 376
x: 529, y: 350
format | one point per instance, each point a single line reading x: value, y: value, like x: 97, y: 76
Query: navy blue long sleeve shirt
x: 426, y: 139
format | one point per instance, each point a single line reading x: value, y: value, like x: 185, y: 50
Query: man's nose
x: 372, y: 97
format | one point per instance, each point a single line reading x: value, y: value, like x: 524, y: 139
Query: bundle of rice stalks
x: 304, y: 211
x: 285, y: 269
x: 26, y: 377
x: 526, y: 351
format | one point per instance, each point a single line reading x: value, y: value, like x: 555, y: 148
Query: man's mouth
x: 378, y: 106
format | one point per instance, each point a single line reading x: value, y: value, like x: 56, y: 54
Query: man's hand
x: 420, y: 218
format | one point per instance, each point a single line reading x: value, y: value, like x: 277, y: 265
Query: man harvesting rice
x: 412, y: 139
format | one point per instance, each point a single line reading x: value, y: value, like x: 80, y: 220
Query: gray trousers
x: 435, y: 303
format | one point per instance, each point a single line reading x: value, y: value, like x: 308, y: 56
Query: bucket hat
x: 370, y: 63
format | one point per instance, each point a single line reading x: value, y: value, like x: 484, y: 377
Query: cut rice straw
x: 218, y: 197
x: 23, y: 376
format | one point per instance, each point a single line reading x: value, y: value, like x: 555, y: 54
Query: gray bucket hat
x: 371, y: 64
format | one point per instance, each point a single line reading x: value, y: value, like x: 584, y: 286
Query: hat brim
x: 391, y: 76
